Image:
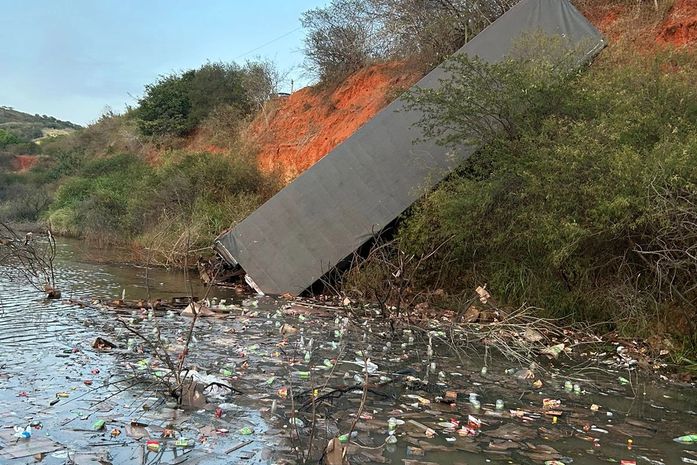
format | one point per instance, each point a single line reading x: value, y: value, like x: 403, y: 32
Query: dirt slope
x: 23, y: 163
x: 308, y: 124
x: 680, y: 27
x: 673, y: 24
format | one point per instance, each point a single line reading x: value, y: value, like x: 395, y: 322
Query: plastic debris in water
x: 23, y: 433
x: 153, y: 446
x: 553, y: 351
x: 550, y: 403
x: 184, y: 443
x: 687, y: 439
x: 296, y: 422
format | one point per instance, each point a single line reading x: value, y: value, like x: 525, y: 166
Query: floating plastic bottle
x: 687, y: 439
x: 344, y: 438
x: 23, y: 433
x: 153, y: 446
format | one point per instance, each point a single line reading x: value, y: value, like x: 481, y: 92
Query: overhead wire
x: 283, y: 36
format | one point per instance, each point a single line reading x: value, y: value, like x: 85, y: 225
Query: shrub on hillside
x: 347, y: 35
x: 8, y: 138
x: 582, y: 198
x: 177, y: 103
x: 341, y: 39
x: 95, y: 202
x: 177, y: 206
x: 193, y: 197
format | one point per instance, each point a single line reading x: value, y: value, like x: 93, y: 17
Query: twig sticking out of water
x: 30, y: 259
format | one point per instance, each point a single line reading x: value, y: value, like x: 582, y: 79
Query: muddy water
x: 52, y: 378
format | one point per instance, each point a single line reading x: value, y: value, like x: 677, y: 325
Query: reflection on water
x: 50, y: 375
x: 86, y: 271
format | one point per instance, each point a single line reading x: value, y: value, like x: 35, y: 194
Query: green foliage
x: 194, y: 196
x: 179, y: 102
x: 96, y: 201
x: 165, y: 108
x: 487, y: 101
x: 8, y: 138
x: 27, y: 127
x: 572, y: 203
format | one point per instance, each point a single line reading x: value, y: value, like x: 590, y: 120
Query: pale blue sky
x: 72, y: 58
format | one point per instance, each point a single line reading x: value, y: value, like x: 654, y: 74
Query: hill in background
x: 30, y: 127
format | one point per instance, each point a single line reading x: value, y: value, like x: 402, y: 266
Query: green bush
x: 177, y: 103
x: 191, y: 198
x: 97, y: 199
x: 8, y: 138
x: 179, y: 205
x: 571, y: 204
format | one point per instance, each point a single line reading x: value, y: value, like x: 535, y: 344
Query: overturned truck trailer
x: 364, y: 184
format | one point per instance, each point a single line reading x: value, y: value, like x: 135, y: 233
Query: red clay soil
x: 308, y: 124
x: 621, y: 20
x: 605, y: 17
x: 24, y: 162
x: 680, y: 27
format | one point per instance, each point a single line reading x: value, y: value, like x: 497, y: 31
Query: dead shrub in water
x: 388, y: 276
x: 30, y: 259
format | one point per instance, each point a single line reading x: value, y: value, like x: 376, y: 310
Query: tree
x: 165, y: 107
x: 348, y: 34
x: 341, y: 38
x: 431, y: 30
x: 177, y: 103
x: 8, y: 138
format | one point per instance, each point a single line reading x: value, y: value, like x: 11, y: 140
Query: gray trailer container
x: 366, y: 182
